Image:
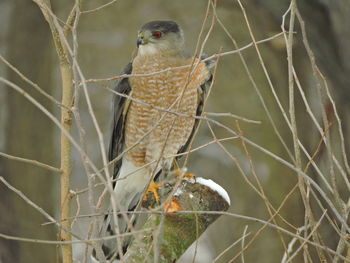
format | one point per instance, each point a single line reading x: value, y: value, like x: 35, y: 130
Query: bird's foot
x: 153, y: 188
x: 190, y: 176
x: 181, y: 172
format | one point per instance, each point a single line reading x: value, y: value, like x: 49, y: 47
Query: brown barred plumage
x: 179, y: 90
x: 175, y: 90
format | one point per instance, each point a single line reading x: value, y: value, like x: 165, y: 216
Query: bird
x: 153, y: 110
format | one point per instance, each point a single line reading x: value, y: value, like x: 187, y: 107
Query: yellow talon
x: 153, y: 188
x: 180, y: 172
x: 190, y: 176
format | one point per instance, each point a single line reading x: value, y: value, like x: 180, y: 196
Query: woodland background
x: 107, y: 40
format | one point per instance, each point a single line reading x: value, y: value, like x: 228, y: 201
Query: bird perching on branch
x: 155, y: 120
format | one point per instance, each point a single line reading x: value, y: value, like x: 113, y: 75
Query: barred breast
x: 153, y: 124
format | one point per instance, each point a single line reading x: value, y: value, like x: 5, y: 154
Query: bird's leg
x: 154, y: 185
x: 179, y: 172
x: 176, y: 166
x: 153, y: 188
x: 190, y: 176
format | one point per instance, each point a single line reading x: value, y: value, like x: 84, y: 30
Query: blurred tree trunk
x: 28, y: 134
x: 327, y: 25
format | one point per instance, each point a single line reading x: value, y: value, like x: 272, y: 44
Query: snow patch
x: 215, y: 187
x: 178, y: 192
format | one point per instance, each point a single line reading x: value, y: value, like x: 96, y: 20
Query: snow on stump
x: 183, y: 216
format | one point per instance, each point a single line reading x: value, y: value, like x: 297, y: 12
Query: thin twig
x: 32, y: 162
x: 36, y: 207
x: 228, y: 114
x: 98, y: 8
x: 34, y: 85
x: 82, y: 241
x: 242, y: 243
x: 229, y: 247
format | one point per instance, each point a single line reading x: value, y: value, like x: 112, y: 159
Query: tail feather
x: 128, y: 189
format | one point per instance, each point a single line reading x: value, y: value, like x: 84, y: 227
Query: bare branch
x: 33, y: 162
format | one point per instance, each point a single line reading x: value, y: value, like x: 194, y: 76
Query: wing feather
x: 120, y: 108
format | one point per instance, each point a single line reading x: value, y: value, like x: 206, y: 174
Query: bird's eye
x: 157, y: 34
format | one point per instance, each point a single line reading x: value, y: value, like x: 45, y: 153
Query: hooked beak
x: 141, y: 39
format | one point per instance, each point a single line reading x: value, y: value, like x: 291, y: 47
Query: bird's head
x: 160, y: 36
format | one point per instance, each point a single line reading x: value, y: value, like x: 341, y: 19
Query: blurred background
x: 107, y: 40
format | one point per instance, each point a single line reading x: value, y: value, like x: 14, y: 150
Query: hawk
x: 154, y: 121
